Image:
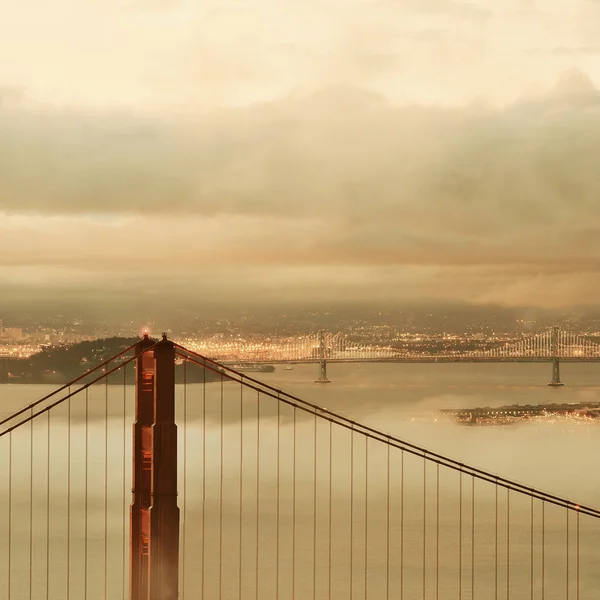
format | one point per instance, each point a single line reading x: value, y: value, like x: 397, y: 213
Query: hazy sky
x: 249, y: 149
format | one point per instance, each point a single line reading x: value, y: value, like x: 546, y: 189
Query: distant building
x: 12, y: 333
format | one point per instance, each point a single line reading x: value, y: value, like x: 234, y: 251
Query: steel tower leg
x: 556, y: 382
x: 322, y: 360
x: 154, y: 512
x: 142, y: 473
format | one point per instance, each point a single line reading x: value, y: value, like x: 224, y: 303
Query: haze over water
x: 556, y: 455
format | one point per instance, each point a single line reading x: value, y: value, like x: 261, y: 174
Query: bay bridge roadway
x: 323, y: 376
x: 552, y: 346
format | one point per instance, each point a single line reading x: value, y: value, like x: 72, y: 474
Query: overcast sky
x: 361, y: 149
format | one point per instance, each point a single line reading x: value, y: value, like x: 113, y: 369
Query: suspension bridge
x: 235, y: 489
x: 553, y: 345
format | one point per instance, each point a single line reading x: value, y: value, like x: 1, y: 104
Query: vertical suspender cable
x: 48, y: 511
x: 351, y: 511
x: 531, y: 556
x: 402, y: 526
x: 257, y: 557
x: 31, y: 506
x: 294, y: 510
x: 424, y: 524
x: 387, y: 526
x: 106, y: 490
x: 185, y: 449
x: 437, y: 534
x: 69, y: 495
x: 278, y: 495
x: 507, y: 544
x: 124, y: 507
x: 9, y: 573
x: 330, y: 504
x: 203, y: 529
x: 315, y: 510
x: 221, y: 492
x: 577, y: 564
x: 496, y: 548
x: 567, y: 558
x: 241, y: 488
x: 366, y: 515
x: 460, y: 535
x: 85, y: 552
x: 543, y: 549
x: 472, y: 538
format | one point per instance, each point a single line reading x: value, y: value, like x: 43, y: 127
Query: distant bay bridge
x: 552, y: 345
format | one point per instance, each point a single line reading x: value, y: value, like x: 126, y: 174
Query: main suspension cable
x: 386, y: 438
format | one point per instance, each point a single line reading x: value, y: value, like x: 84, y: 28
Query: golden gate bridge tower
x: 154, y: 511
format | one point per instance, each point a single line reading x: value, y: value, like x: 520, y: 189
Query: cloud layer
x: 506, y: 199
x: 358, y: 149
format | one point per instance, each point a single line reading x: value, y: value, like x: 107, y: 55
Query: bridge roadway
x: 418, y: 359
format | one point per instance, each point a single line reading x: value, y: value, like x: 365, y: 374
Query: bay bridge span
x: 552, y: 346
x: 234, y: 489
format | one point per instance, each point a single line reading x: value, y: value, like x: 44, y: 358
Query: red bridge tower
x: 154, y: 512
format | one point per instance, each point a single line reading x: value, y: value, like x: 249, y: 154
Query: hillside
x: 60, y: 364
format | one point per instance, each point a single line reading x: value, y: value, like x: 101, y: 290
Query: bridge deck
x: 417, y: 360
